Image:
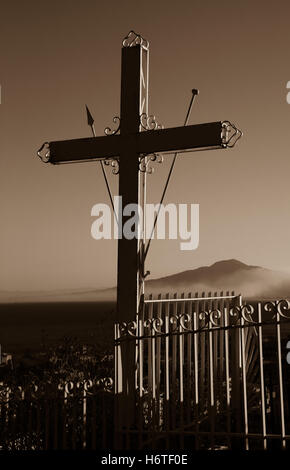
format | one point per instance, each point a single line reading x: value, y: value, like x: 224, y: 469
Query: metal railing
x: 45, y: 415
x: 209, y: 374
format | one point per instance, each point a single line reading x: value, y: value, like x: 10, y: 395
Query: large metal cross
x: 130, y: 149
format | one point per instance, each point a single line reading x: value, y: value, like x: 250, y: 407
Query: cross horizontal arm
x: 91, y: 148
x: 198, y: 136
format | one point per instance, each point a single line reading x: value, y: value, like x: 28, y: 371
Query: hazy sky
x: 55, y: 56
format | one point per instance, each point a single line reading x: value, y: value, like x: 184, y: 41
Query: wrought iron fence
x: 210, y: 373
x: 50, y: 415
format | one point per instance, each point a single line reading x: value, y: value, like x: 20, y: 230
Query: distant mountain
x: 227, y: 275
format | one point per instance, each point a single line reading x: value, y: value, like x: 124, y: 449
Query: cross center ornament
x: 137, y: 142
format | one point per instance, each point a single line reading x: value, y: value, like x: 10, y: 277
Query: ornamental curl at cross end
x: 44, y: 152
x: 133, y: 39
x: 230, y: 134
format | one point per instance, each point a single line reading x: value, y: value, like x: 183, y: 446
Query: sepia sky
x: 55, y: 56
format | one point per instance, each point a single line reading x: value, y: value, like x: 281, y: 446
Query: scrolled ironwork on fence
x: 210, y: 373
x: 66, y: 414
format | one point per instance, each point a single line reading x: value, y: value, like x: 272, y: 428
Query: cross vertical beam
x: 132, y: 182
x: 132, y: 189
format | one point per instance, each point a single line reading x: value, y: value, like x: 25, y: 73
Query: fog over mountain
x: 227, y: 275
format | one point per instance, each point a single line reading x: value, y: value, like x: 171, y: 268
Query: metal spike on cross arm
x: 89, y: 117
x: 194, y: 92
x: 91, y: 124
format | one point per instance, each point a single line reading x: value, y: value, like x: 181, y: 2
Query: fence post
x: 235, y: 348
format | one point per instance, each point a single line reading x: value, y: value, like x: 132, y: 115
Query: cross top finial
x: 134, y: 39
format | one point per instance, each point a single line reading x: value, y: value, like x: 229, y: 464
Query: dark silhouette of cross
x: 140, y: 137
x: 131, y: 148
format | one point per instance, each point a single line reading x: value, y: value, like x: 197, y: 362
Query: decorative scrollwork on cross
x: 109, y: 131
x: 145, y: 162
x: 230, y: 134
x: 133, y: 39
x: 44, y: 152
x: 114, y: 163
x: 149, y: 123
